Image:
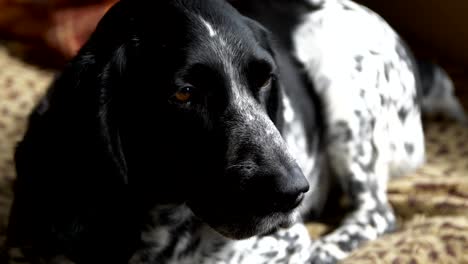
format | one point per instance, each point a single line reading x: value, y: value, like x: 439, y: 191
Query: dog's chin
x: 256, y: 226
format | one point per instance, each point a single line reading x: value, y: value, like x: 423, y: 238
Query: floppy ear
x: 71, y: 183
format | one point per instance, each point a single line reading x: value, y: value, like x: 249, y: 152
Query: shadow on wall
x: 435, y: 29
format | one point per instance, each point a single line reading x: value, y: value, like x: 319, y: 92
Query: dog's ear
x: 86, y: 94
x: 71, y: 168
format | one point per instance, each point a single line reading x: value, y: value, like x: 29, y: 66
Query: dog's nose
x: 292, y: 189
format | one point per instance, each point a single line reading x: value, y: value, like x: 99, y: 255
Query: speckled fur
x: 367, y: 83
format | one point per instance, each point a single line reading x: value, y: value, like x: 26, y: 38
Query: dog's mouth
x: 242, y: 215
x: 243, y: 227
x: 283, y: 224
x: 266, y: 226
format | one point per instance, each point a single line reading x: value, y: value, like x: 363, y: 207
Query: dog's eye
x: 261, y: 74
x: 265, y: 81
x: 184, y: 94
x: 268, y: 81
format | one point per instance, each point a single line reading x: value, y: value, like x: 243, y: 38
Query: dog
x: 207, y: 131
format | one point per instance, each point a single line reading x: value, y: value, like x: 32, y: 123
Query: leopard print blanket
x: 432, y: 204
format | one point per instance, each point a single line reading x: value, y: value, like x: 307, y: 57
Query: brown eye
x: 184, y: 94
x: 268, y: 81
x: 261, y: 74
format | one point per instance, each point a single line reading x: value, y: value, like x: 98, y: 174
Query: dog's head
x: 190, y: 104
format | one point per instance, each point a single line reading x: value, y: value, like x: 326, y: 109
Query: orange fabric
x: 62, y: 25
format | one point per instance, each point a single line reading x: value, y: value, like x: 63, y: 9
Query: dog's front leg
x: 358, y: 157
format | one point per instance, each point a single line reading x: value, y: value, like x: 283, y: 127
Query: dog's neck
x: 173, y: 232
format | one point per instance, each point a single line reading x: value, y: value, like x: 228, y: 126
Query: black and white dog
x: 185, y: 132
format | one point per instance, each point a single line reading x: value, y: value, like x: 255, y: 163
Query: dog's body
x: 236, y: 118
